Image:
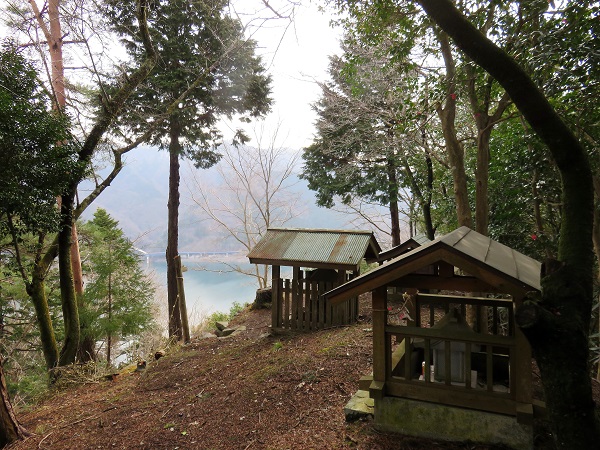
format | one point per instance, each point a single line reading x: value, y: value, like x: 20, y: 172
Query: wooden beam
x: 452, y: 395
x: 380, y: 347
x: 276, y: 299
x: 455, y: 283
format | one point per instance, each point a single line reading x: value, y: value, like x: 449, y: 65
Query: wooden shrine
x: 436, y: 357
x: 320, y: 260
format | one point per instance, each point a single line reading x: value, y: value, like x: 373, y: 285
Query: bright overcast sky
x: 296, y: 55
x: 296, y: 58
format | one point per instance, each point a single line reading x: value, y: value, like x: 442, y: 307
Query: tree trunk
x: 10, y: 428
x: 87, y: 346
x: 557, y: 326
x: 173, y: 231
x: 480, y: 108
x: 109, y: 335
x: 70, y: 311
x: 54, y: 36
x: 429, y: 228
x: 37, y: 291
x: 454, y: 148
x: 393, y: 194
x: 596, y: 241
x: 424, y: 201
x: 482, y: 208
x: 185, y: 327
x: 111, y: 110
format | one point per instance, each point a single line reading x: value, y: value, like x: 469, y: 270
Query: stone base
x: 360, y: 406
x: 430, y: 420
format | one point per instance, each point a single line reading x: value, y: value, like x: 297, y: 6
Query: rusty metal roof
x: 314, y: 248
x: 520, y: 270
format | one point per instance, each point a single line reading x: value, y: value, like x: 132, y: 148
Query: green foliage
x: 521, y: 169
x: 208, y: 323
x: 277, y: 346
x: 205, y: 65
x: 37, y: 153
x: 119, y: 295
x: 365, y: 267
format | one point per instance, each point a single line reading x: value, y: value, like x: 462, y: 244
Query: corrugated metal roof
x: 404, y: 247
x: 512, y: 265
x: 321, y: 247
x: 496, y: 255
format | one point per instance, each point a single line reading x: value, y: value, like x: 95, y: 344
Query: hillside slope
x: 250, y: 391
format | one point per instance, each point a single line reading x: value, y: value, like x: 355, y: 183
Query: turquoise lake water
x: 207, y: 291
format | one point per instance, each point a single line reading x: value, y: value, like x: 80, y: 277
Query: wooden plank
x: 455, y: 283
x: 314, y: 300
x: 321, y: 305
x: 380, y: 355
x: 427, y: 373
x: 495, y: 321
x: 468, y: 380
x: 484, y: 301
x: 392, y: 359
x: 434, y: 333
x: 376, y: 390
x: 451, y: 395
x: 489, y: 368
x: 294, y: 305
x: 276, y: 301
x: 286, y: 295
x: 407, y: 359
x: 333, y: 312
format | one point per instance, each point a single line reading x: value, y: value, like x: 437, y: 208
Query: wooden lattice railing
x: 488, y: 371
x: 302, y: 307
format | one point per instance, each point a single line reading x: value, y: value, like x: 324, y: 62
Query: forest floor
x: 248, y: 391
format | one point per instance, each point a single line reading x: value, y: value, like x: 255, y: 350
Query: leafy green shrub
x: 208, y: 322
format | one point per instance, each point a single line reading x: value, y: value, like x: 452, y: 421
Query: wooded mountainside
x: 138, y: 200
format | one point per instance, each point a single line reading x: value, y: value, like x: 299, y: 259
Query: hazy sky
x: 296, y: 54
x: 296, y: 57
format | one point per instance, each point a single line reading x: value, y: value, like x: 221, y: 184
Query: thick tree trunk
x: 112, y: 108
x: 557, y: 326
x: 454, y: 148
x: 480, y: 108
x: 596, y: 241
x: 109, y: 312
x: 37, y: 291
x: 70, y: 311
x: 173, y: 231
x: 10, y: 428
x: 87, y: 347
x: 482, y: 207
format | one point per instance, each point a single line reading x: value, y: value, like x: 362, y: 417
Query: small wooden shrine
x: 320, y: 261
x: 438, y: 358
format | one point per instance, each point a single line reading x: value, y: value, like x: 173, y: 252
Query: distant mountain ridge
x: 137, y: 198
